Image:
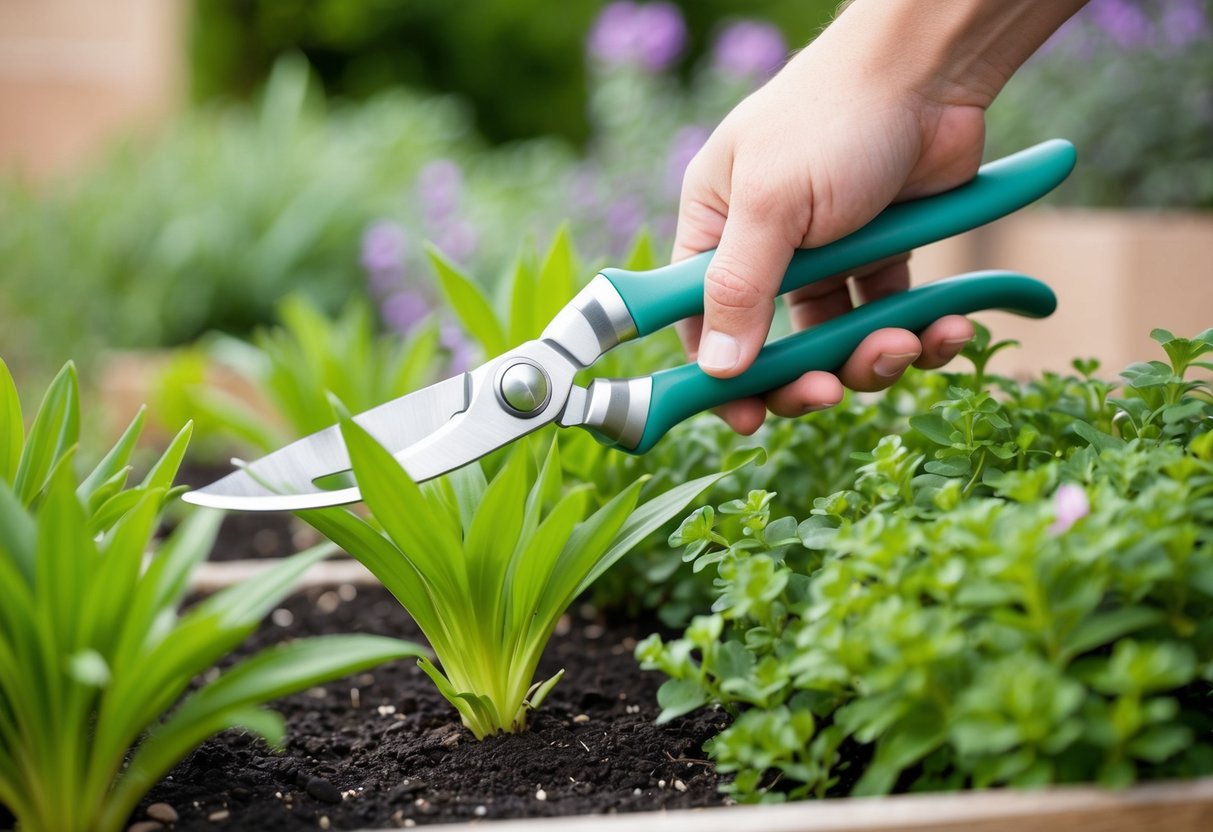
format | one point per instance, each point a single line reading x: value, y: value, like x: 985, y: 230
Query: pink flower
x: 1070, y: 505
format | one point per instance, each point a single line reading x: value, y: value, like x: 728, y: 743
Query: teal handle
x: 683, y: 391
x: 659, y: 297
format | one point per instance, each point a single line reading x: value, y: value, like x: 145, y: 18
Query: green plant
x: 296, y: 365
x: 494, y: 564
x: 1016, y: 591
x: 95, y: 658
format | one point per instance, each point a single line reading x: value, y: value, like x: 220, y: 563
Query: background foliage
x: 520, y: 64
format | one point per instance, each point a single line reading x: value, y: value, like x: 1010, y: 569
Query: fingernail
x: 816, y: 408
x: 892, y: 364
x: 718, y: 351
x: 951, y: 349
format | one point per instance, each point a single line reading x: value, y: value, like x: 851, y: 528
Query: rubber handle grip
x: 683, y: 391
x: 659, y: 297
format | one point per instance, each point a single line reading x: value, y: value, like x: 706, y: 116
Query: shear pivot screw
x: 524, y: 388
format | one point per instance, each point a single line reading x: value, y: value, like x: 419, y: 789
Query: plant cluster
x: 1017, y: 590
x: 97, y: 664
x: 494, y: 565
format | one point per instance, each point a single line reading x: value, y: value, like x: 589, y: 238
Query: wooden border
x: 1163, y: 807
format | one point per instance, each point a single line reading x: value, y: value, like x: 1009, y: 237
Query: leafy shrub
x: 1016, y: 591
x: 95, y: 659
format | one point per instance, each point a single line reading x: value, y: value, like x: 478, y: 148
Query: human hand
x: 843, y: 131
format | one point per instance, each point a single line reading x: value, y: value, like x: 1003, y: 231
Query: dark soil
x: 248, y: 535
x: 384, y: 749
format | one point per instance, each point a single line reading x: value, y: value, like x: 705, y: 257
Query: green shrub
x: 1016, y: 591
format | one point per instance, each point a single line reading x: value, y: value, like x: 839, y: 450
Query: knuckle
x: 729, y: 287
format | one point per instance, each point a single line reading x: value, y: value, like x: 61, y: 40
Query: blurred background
x: 173, y: 168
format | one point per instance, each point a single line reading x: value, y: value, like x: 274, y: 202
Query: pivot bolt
x: 524, y: 388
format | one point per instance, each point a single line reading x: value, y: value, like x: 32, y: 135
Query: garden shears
x: 447, y: 425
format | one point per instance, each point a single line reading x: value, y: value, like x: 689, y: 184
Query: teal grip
x: 659, y: 297
x: 683, y: 391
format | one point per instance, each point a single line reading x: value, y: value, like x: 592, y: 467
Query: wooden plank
x: 1165, y: 807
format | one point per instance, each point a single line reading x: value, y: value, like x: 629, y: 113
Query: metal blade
x: 488, y: 424
x: 285, y: 479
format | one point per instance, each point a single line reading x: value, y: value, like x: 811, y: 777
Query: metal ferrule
x: 593, y: 322
x: 618, y: 408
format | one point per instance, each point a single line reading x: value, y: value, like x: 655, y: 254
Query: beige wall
x: 1117, y: 275
x: 74, y: 73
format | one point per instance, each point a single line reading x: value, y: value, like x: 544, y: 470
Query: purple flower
x: 457, y: 239
x: 624, y: 217
x: 686, y: 143
x: 1070, y: 505
x: 1184, y: 22
x: 649, y: 35
x: 404, y: 310
x: 452, y: 339
x: 1122, y: 21
x: 383, y: 247
x: 439, y: 185
x: 749, y: 49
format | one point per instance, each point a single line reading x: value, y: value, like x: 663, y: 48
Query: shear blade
x: 286, y: 480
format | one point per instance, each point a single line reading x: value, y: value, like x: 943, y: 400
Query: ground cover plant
x: 96, y: 660
x: 1017, y: 590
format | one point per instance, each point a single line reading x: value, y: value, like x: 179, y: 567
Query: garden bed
x: 394, y: 749
x: 594, y: 751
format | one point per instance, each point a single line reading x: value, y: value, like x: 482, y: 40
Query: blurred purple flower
x: 404, y: 310
x: 452, y: 339
x: 439, y: 185
x: 457, y: 239
x: 1184, y: 22
x: 1070, y: 505
x: 383, y: 248
x: 749, y: 49
x: 649, y: 35
x: 1123, y: 22
x: 624, y: 218
x: 686, y: 143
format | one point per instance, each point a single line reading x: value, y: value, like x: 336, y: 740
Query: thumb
x: 741, y: 284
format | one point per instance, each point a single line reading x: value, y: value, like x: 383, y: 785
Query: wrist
x: 958, y: 52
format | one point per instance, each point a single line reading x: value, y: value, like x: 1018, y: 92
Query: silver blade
x: 487, y: 424
x: 285, y: 480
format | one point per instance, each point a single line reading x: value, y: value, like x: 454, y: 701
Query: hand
x: 815, y: 154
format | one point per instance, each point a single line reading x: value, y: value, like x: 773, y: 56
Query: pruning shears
x: 449, y: 424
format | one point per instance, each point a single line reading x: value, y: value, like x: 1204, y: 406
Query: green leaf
x: 1098, y: 439
x: 557, y: 281
x: 934, y: 427
x: 12, y: 428
x: 678, y: 697
x: 164, y: 471
x: 400, y: 507
x: 470, y: 304
x: 55, y: 429
x: 1106, y: 627
x: 113, y: 462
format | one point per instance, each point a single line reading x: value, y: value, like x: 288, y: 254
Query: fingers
x: 743, y: 279
x: 815, y: 390
x: 943, y: 340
